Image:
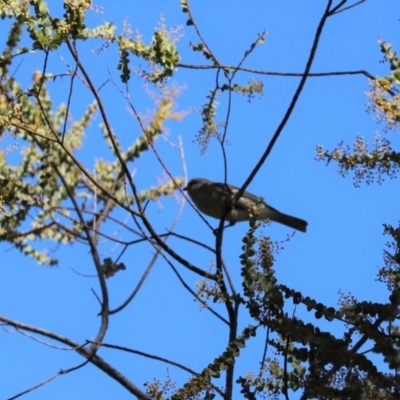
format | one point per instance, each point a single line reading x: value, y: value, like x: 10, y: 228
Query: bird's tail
x: 288, y: 220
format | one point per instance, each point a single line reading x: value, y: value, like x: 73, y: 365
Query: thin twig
x: 71, y: 86
x: 276, y: 73
x: 56, y: 375
x: 158, y: 358
x: 188, y: 288
x: 138, y: 285
x: 214, y: 58
x: 148, y: 355
x: 285, y: 372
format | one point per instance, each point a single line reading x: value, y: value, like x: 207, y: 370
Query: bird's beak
x: 185, y: 188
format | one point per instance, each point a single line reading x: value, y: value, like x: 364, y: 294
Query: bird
x: 216, y: 200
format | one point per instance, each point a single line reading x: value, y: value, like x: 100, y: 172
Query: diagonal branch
x: 86, y: 353
x: 292, y: 104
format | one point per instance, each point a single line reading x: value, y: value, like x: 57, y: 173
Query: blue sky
x: 340, y: 251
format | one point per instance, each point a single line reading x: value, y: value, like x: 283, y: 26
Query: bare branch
x: 88, y: 354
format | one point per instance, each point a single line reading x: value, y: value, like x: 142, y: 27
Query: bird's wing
x: 252, y: 197
x: 246, y: 200
x: 224, y: 189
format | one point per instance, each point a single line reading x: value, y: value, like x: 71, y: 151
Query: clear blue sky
x: 341, y: 250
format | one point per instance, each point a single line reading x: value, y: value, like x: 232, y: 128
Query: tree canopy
x: 106, y: 113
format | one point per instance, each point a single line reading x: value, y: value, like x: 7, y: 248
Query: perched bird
x: 216, y: 199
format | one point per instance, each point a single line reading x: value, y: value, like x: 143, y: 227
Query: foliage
x: 384, y: 101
